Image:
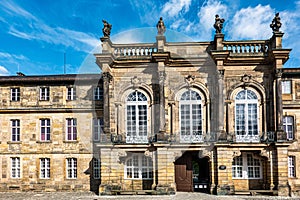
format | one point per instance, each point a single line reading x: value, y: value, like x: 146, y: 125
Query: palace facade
x: 219, y: 117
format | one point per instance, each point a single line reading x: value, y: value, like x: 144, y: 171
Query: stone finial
x: 276, y: 24
x: 218, y: 24
x: 161, y: 29
x: 106, y: 29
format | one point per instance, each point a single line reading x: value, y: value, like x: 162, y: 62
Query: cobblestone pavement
x: 92, y: 196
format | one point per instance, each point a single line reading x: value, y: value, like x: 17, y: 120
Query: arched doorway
x: 192, y: 174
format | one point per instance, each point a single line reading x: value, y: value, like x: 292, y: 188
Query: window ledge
x: 40, y: 141
x: 70, y: 141
x: 14, y: 142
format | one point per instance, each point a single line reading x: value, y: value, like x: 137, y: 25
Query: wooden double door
x: 192, y: 174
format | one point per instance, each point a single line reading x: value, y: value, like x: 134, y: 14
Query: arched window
x: 136, y: 118
x: 138, y: 166
x: 190, y: 117
x: 246, y: 116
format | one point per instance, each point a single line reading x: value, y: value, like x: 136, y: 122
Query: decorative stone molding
x: 122, y: 154
x: 190, y: 79
x: 264, y: 153
x: 205, y: 153
x: 236, y: 153
x: 246, y: 78
x: 107, y: 77
x: 278, y: 73
x: 135, y: 81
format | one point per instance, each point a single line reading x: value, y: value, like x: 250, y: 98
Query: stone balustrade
x: 133, y: 50
x: 247, y: 47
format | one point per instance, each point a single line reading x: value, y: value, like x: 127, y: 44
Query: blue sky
x: 35, y: 34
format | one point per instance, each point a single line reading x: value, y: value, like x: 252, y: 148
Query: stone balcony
x: 198, y: 138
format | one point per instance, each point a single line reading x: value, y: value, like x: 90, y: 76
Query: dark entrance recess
x: 192, y: 173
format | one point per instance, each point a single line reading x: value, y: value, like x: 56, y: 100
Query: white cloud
x: 251, y: 23
x: 30, y: 28
x: 174, y: 7
x: 206, y: 16
x: 14, y: 10
x: 3, y: 71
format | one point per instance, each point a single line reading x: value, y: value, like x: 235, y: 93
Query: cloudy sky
x: 36, y: 35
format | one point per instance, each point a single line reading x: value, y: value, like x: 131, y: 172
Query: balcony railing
x: 133, y: 50
x: 197, y: 137
x: 247, y: 47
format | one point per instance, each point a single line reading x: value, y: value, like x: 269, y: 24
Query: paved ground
x: 92, y: 196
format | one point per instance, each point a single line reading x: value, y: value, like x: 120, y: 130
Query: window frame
x: 98, y: 126
x: 292, y: 166
x: 71, y: 93
x: 15, y: 94
x: 72, y: 126
x: 71, y: 168
x: 46, y: 128
x: 286, y: 124
x: 247, y: 167
x: 193, y: 135
x: 286, y: 86
x: 136, y: 117
x: 98, y: 93
x: 15, y: 125
x: 244, y: 117
x: 15, y: 171
x: 44, y: 93
x: 96, y: 168
x: 45, y: 168
x: 136, y: 167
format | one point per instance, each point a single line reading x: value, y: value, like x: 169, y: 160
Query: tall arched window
x: 190, y: 117
x: 136, y: 118
x: 246, y: 116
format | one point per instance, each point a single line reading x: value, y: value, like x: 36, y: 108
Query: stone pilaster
x: 107, y: 78
x: 282, y: 171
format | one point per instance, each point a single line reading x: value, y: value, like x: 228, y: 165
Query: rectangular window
x: 98, y: 93
x: 15, y: 94
x: 71, y: 132
x: 71, y: 168
x: 71, y: 93
x: 96, y: 168
x: 15, y: 167
x: 292, y: 166
x: 44, y: 94
x: 237, y: 167
x: 286, y: 87
x: 97, y: 128
x: 15, y: 130
x: 288, y: 126
x: 45, y: 129
x: 246, y: 166
x: 253, y: 167
x: 45, y: 168
x: 138, y: 166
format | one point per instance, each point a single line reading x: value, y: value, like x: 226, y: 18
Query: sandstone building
x: 219, y: 117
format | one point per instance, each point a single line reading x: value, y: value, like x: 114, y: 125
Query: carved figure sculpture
x: 161, y: 29
x: 218, y: 24
x: 276, y: 24
x: 106, y: 28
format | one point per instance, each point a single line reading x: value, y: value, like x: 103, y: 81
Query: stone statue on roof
x: 161, y: 29
x: 106, y: 29
x: 276, y: 24
x: 218, y: 24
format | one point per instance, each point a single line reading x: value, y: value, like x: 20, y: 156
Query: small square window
x: 286, y: 87
x: 71, y: 93
x: 98, y: 93
x: 15, y: 94
x: 44, y: 94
